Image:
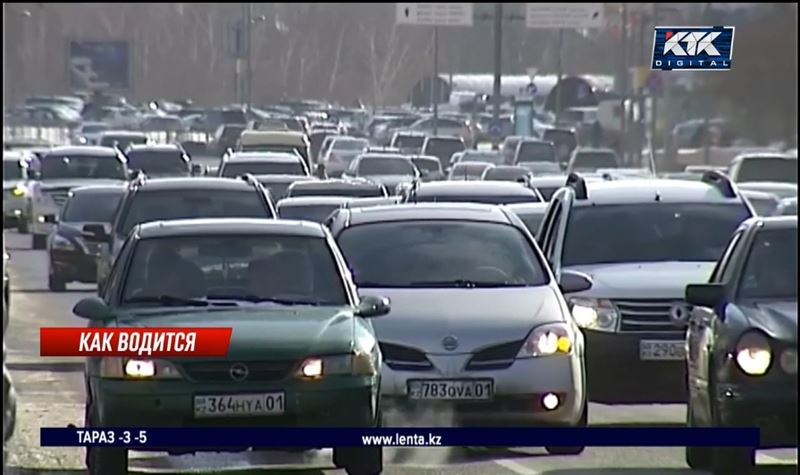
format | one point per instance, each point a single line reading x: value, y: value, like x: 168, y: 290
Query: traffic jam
x: 554, y: 256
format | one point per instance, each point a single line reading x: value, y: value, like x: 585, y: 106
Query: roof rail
x: 577, y: 182
x: 721, y: 182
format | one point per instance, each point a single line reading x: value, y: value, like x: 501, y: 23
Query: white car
x: 17, y: 189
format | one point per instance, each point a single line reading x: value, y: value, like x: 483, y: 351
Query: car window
x: 152, y: 162
x: 409, y: 141
x: 488, y: 157
x: 498, y: 199
x: 11, y: 170
x: 594, y: 160
x: 429, y: 165
x: 536, y: 152
x: 91, y: 207
x: 507, y: 174
x: 349, y: 145
x: 232, y: 169
x: 532, y: 221
x: 547, y: 192
x: 317, y: 213
x: 82, y: 166
x: 186, y: 204
x: 385, y: 166
x: 292, y: 268
x: 122, y: 142
x: 467, y: 171
x: 726, y: 267
x: 770, y: 271
x: 440, y: 254
x: 783, y: 170
x: 443, y: 149
x: 654, y: 232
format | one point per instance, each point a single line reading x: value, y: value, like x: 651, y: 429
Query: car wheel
x: 22, y: 225
x: 698, y: 458
x: 576, y: 449
x: 360, y: 460
x: 55, y: 284
x: 104, y: 460
x: 39, y: 241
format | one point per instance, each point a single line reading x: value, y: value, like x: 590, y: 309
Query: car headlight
x: 595, y: 314
x: 60, y: 242
x: 753, y: 353
x: 547, y: 340
x: 356, y: 364
x: 135, y: 368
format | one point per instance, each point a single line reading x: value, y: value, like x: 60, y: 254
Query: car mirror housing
x: 704, y: 295
x: 572, y: 282
x: 371, y: 307
x: 92, y: 308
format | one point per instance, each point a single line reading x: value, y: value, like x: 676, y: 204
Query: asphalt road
x: 50, y: 393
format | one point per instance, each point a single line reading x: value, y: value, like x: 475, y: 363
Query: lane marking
x: 516, y: 467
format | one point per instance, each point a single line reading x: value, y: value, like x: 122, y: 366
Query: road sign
x: 435, y: 14
x: 99, y: 64
x: 495, y: 128
x: 564, y: 15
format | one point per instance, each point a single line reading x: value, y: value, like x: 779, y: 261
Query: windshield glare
x: 82, y: 166
x: 771, y: 268
x: 385, y: 166
x: 246, y: 267
x: 440, y: 254
x: 91, y: 207
x: 657, y: 232
x: 781, y: 170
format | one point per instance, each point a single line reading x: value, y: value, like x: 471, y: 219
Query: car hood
x: 76, y: 182
x: 777, y: 319
x: 421, y: 318
x: 655, y: 280
x: 261, y: 331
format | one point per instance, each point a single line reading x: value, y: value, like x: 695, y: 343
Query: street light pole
x: 248, y: 25
x: 498, y: 63
x: 436, y: 89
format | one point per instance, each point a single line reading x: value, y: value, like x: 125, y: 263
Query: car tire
x: 39, y: 241
x: 22, y: 225
x: 56, y: 284
x: 360, y: 460
x: 575, y: 449
x: 698, y: 458
x: 104, y: 460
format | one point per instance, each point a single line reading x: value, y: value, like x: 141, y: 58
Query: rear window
x: 385, y: 166
x: 532, y: 221
x: 232, y: 169
x: 783, y: 170
x: 349, y: 145
x: 536, y: 152
x: 121, y: 142
x: 91, y: 207
x: 486, y: 199
x: 443, y: 149
x: 427, y: 165
x: 317, y: 213
x: 355, y: 191
x: 409, y: 141
x: 154, y: 163
x: 771, y: 268
x: 82, y: 166
x: 594, y: 160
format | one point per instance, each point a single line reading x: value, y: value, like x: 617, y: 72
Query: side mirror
x: 572, y: 281
x: 92, y: 308
x: 95, y: 233
x: 197, y: 170
x: 704, y: 295
x: 371, y: 307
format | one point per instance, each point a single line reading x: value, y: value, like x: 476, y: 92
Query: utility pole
x: 653, y: 97
x: 248, y: 22
x: 435, y: 86
x: 624, y: 85
x: 559, y: 73
x: 498, y: 63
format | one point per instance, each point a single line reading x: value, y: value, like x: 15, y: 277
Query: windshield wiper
x: 463, y: 283
x: 169, y: 300
x: 258, y: 299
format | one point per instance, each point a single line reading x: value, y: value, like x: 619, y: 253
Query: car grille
x: 221, y: 371
x: 495, y: 357
x: 59, y: 196
x: 646, y: 315
x: 400, y: 357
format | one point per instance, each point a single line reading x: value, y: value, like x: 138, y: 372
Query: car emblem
x: 680, y: 312
x: 239, y: 372
x: 450, y: 343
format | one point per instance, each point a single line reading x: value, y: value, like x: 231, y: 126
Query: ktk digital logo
x: 692, y: 48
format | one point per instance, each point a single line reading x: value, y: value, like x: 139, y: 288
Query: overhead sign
x: 435, y: 14
x: 99, y: 64
x: 564, y: 15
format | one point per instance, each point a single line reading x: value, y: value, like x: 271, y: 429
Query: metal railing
x: 65, y: 136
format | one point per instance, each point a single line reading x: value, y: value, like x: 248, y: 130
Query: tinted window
x: 184, y: 204
x: 782, y: 170
x: 349, y: 145
x: 409, y: 141
x: 440, y: 254
x: 316, y: 213
x: 443, y: 149
x: 93, y: 129
x: 81, y: 166
x: 547, y: 192
x: 91, y: 207
x: 594, y: 160
x: 466, y: 171
x: 122, y: 142
x: 277, y: 190
x: 233, y: 169
x: 233, y: 117
x: 509, y: 174
x: 489, y: 157
x: 487, y: 199
x: 301, y: 151
x: 764, y: 206
x: 771, y: 268
x: 253, y: 267
x: 428, y: 165
x: 354, y: 191
x: 536, y: 152
x: 653, y: 232
x: 231, y: 134
x: 158, y: 162
x: 385, y: 166
x: 532, y: 221
x: 11, y: 170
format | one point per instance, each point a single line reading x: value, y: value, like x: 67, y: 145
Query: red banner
x: 154, y: 342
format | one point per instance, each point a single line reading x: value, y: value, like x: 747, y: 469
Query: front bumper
x: 615, y: 372
x: 74, y: 265
x: 518, y: 393
x: 771, y: 407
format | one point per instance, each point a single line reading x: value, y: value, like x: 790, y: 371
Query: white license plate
x: 231, y: 405
x: 459, y: 390
x: 662, y: 350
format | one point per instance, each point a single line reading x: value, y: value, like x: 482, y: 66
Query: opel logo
x: 450, y: 343
x: 680, y: 312
x: 239, y: 372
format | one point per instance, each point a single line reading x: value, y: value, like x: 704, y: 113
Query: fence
x: 64, y: 136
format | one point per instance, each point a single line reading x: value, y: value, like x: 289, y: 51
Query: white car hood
x: 643, y: 280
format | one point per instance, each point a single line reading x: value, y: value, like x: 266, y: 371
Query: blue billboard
x: 99, y: 64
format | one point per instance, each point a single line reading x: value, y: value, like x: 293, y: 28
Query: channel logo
x: 692, y: 48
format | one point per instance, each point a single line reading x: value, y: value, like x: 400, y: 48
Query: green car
x: 302, y: 352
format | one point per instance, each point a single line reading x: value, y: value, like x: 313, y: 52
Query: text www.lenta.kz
x: 401, y: 440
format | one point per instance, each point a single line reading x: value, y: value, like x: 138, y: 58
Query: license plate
x: 662, y: 350
x: 231, y: 405
x: 458, y: 390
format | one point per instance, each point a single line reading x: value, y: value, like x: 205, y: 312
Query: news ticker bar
x: 139, y: 438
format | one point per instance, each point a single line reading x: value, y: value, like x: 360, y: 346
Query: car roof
x: 229, y: 226
x: 428, y: 211
x: 767, y: 154
x: 766, y: 185
x: 290, y: 159
x: 282, y: 178
x: 771, y: 222
x: 594, y: 150
x: 92, y: 150
x: 156, y: 147
x: 645, y: 190
x: 547, y: 180
x: 478, y: 188
x: 195, y: 183
x: 312, y: 200
x: 100, y: 189
x: 12, y: 155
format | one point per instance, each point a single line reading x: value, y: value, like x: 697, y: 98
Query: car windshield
x: 317, y: 213
x: 349, y: 145
x: 11, y: 170
x: 536, y: 152
x: 165, y: 205
x: 427, y: 164
x: 409, y: 141
x: 158, y: 163
x: 91, y: 207
x: 440, y: 254
x: 443, y: 149
x: 771, y: 268
x: 782, y: 170
x: 233, y: 169
x: 122, y: 141
x: 594, y: 160
x: 82, y: 166
x: 293, y: 270
x: 385, y: 166
x: 654, y: 232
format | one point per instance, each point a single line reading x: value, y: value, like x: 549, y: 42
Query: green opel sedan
x: 302, y: 352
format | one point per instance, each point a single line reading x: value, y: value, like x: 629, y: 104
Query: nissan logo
x: 680, y: 312
x: 450, y: 343
x: 239, y: 372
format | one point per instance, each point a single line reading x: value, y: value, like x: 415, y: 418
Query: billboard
x: 96, y: 65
